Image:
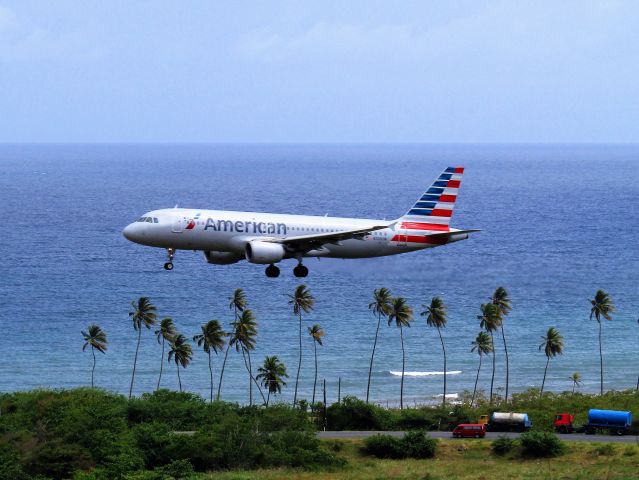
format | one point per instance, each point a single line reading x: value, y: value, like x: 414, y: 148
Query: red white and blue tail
x: 434, y: 209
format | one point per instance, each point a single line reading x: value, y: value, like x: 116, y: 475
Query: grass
x: 461, y: 459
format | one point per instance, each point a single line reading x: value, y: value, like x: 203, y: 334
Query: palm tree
x: 95, y: 338
x: 483, y: 345
x: 316, y: 332
x: 165, y: 332
x: 501, y: 300
x: 302, y: 301
x: 602, y: 306
x: 211, y: 338
x: 181, y: 353
x: 553, y: 345
x: 402, y: 314
x: 271, y: 375
x: 490, y: 320
x: 143, y: 314
x: 435, y: 314
x: 237, y: 303
x: 243, y: 338
x: 380, y: 306
x: 576, y: 381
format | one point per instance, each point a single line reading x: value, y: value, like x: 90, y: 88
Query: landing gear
x: 272, y: 271
x: 171, y: 253
x: 300, y: 271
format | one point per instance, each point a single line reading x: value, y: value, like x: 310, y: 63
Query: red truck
x: 563, y: 423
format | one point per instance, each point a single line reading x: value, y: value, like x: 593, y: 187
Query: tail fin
x: 434, y: 208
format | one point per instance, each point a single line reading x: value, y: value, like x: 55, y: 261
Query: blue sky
x: 354, y: 71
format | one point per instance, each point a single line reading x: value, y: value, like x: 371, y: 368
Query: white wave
x: 424, y: 374
x: 449, y: 395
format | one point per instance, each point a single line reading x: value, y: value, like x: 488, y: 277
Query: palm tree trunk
x: 441, y: 339
x: 600, y: 359
x: 248, y: 367
x: 299, y: 366
x: 135, y: 361
x: 574, y: 384
x: 370, y: 368
x: 314, y: 381
x: 637, y: 388
x: 541, y: 392
x: 161, y: 365
x: 401, y: 388
x: 177, y: 365
x: 219, y: 385
x: 93, y: 369
x: 476, y: 380
x: 211, y: 372
x: 268, y: 396
x: 506, y: 353
x: 492, y: 379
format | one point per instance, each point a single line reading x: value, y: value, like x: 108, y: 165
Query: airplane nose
x: 132, y: 232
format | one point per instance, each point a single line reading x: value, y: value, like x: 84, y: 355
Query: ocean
x: 558, y: 223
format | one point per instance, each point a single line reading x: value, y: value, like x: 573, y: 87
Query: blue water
x: 558, y: 223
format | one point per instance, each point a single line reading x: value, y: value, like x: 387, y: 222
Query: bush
x: 415, y: 444
x: 383, y: 446
x: 418, y: 444
x: 177, y: 469
x: 355, y: 414
x: 503, y: 445
x: 542, y: 444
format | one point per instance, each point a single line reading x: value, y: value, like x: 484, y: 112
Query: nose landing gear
x: 272, y: 271
x: 171, y: 253
x: 300, y: 271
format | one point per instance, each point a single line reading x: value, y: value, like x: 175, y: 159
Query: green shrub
x: 10, y: 468
x: 503, y: 445
x: 383, y: 446
x: 355, y: 414
x: 177, y: 470
x: 630, y: 451
x: 541, y: 444
x: 417, y: 444
x: 179, y: 410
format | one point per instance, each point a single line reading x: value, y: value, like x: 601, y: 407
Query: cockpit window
x: 155, y: 220
x: 142, y: 219
x: 149, y: 220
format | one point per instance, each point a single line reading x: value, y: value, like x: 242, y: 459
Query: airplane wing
x: 318, y: 239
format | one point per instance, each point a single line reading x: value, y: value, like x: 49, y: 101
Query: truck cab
x: 564, y: 423
x: 483, y: 420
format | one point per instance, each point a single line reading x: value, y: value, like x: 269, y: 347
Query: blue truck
x: 615, y: 421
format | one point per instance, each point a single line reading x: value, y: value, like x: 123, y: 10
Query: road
x: 574, y: 437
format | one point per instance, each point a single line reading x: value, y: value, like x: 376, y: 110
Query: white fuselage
x: 228, y: 231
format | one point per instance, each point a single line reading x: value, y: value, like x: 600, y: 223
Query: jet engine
x: 221, y: 258
x: 264, y: 252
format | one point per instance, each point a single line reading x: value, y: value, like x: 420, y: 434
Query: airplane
x: 227, y: 237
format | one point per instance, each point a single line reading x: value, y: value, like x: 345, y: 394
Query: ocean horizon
x: 558, y: 222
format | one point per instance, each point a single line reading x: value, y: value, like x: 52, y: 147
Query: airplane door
x: 178, y: 225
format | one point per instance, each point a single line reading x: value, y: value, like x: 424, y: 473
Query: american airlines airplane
x: 227, y: 237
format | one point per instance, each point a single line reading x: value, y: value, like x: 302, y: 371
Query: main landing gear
x: 300, y: 271
x: 272, y: 271
x: 171, y: 253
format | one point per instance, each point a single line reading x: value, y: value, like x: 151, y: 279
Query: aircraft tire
x: 300, y: 271
x: 272, y: 271
x: 168, y: 266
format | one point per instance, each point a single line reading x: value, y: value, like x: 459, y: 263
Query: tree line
x: 272, y: 374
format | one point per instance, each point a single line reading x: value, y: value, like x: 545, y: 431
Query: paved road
x: 574, y: 437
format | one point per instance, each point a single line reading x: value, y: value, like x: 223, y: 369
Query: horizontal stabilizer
x: 450, y: 234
